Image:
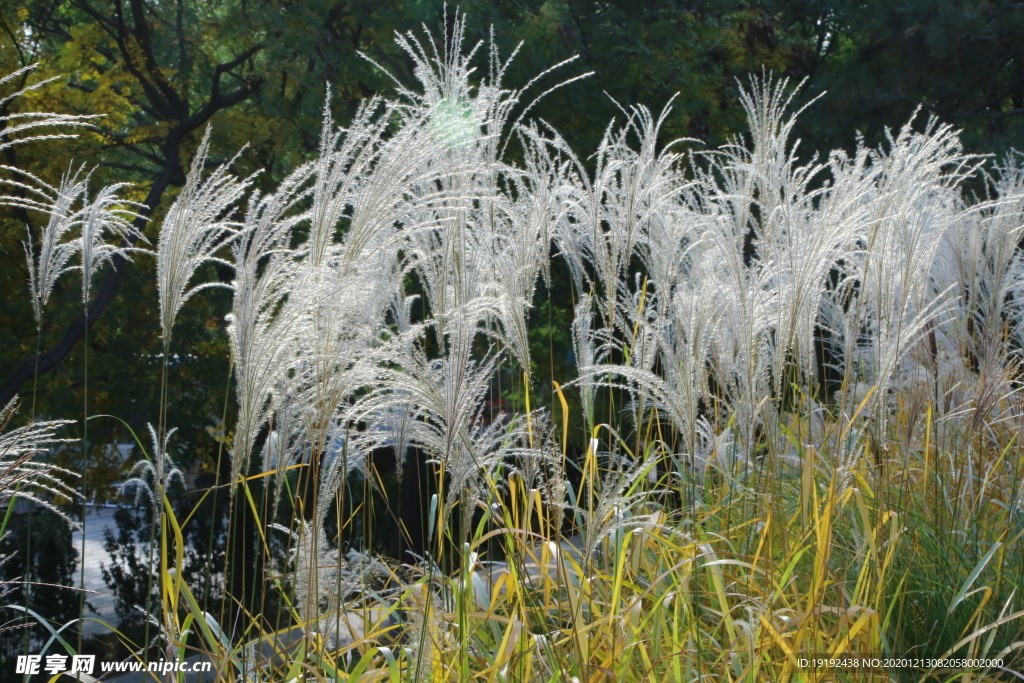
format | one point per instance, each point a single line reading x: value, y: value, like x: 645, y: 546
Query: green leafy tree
x: 879, y: 61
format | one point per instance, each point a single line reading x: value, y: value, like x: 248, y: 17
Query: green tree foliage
x: 642, y: 53
x: 960, y: 61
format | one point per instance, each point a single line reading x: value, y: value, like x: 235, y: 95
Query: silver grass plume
x: 750, y: 196
x: 848, y: 199
x: 612, y: 215
x: 337, y: 332
x: 531, y: 451
x: 359, y: 179
x: 1005, y: 223
x: 438, y: 221
x: 612, y: 209
x: 447, y: 394
x: 473, y: 464
x: 799, y: 235
x: 58, y: 203
x: 981, y: 258
x: 917, y: 201
x: 399, y: 415
x: 106, y: 223
x: 464, y: 124
x: 585, y: 354
x: 196, y: 226
x: 14, y: 126
x: 56, y: 248
x: 150, y: 477
x: 285, y: 441
x: 260, y: 325
x: 459, y: 234
x: 20, y: 475
x: 537, y: 190
x: 681, y: 316
x: 346, y: 162
x: 614, y: 505
x: 463, y: 228
x: 518, y: 223
x: 317, y: 569
x: 323, y: 579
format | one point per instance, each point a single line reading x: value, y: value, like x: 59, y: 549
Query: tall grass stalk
x: 106, y: 217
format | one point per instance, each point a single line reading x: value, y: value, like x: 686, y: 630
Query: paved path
x: 96, y: 521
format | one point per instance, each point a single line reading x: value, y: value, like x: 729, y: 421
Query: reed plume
x: 196, y: 226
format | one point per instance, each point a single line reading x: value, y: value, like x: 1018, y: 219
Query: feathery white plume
x: 195, y: 228
x: 106, y: 222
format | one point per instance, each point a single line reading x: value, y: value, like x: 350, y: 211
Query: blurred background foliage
x: 257, y: 71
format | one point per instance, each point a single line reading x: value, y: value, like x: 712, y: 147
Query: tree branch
x: 143, y: 35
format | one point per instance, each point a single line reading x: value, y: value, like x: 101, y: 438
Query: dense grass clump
x: 798, y: 383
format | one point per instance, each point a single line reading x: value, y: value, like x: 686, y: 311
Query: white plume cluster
x: 753, y: 261
x: 18, y: 128
x: 67, y: 206
x: 707, y: 285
